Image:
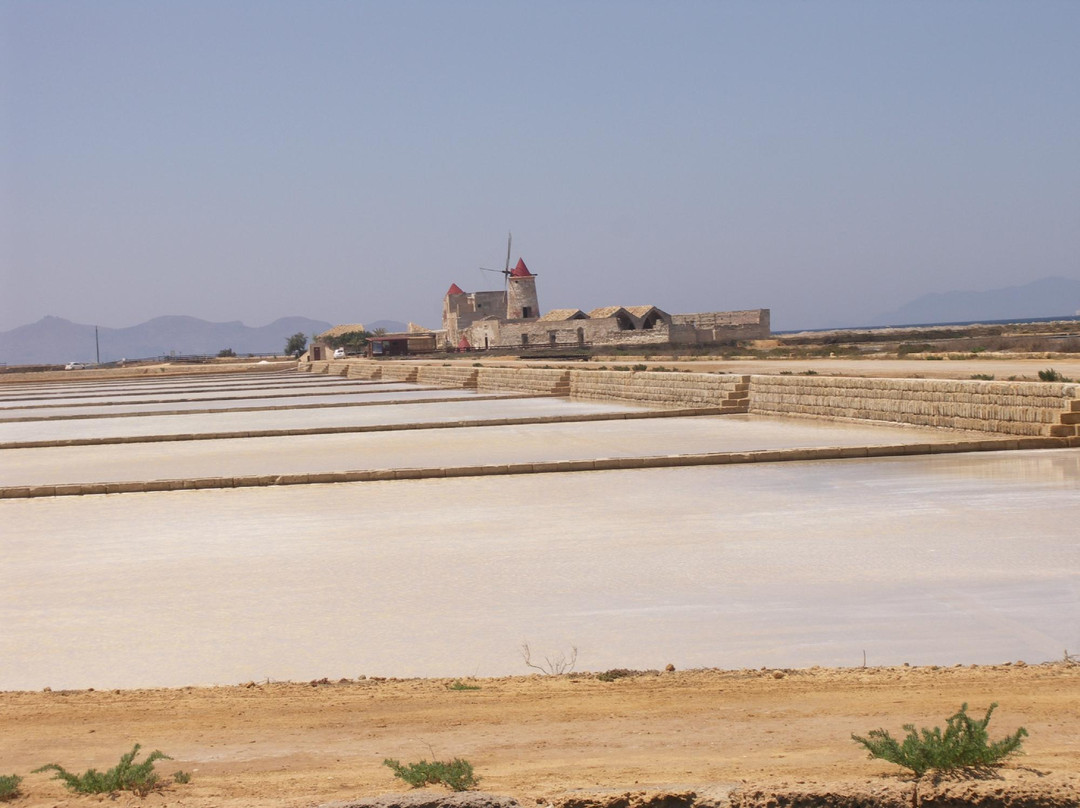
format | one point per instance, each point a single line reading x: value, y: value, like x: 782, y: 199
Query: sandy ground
x: 275, y: 744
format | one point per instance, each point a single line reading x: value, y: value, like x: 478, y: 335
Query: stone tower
x: 521, y: 303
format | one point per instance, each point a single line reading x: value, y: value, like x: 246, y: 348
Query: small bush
x: 456, y: 774
x: 616, y: 673
x: 1051, y: 375
x: 964, y: 744
x: 182, y: 777
x: 9, y: 786
x: 127, y: 775
x: 226, y: 352
x: 985, y: 377
x: 639, y: 366
x: 457, y: 684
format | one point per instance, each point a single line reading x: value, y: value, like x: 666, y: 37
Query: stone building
x: 512, y: 319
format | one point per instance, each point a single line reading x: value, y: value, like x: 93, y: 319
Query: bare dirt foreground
x: 536, y: 738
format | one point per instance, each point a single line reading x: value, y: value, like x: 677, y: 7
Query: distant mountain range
x: 52, y: 340
x: 1048, y: 297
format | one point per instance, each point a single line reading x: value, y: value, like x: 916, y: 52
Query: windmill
x: 505, y: 272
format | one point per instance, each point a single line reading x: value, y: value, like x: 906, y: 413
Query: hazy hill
x: 1048, y: 297
x: 53, y: 340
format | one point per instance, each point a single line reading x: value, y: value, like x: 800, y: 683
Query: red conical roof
x: 463, y: 344
x: 520, y: 271
x: 454, y: 290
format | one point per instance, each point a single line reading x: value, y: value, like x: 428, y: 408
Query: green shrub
x: 457, y: 684
x: 9, y: 786
x: 182, y: 777
x: 616, y: 673
x: 1051, y: 375
x: 986, y: 377
x: 127, y: 775
x: 456, y: 774
x: 964, y: 744
x: 639, y: 366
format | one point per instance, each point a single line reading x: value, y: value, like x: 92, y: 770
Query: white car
x: 74, y: 366
x: 339, y: 353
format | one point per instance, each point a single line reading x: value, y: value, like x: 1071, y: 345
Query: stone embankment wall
x: 366, y: 371
x: 1012, y: 408
x: 399, y: 372
x: 661, y: 389
x: 542, y: 381
x: 452, y: 376
x: 1047, y: 409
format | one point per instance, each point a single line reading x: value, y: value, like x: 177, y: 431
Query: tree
x: 352, y: 341
x: 296, y: 344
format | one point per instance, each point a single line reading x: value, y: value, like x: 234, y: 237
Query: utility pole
x: 97, y: 346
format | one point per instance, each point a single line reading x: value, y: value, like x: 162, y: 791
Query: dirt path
x: 530, y: 737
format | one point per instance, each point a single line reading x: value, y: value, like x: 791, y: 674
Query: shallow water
x: 467, y: 409
x: 128, y: 406
x: 169, y: 399
x: 434, y: 448
x: 936, y: 559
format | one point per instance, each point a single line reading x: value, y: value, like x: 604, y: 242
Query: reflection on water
x: 936, y: 559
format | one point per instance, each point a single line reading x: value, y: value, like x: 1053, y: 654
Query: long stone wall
x: 399, y: 372
x: 452, y: 376
x: 1012, y: 408
x: 365, y: 370
x: 661, y: 389
x: 542, y: 381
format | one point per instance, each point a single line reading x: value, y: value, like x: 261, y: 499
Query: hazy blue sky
x: 347, y: 161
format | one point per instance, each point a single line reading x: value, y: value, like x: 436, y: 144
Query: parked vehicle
x: 339, y: 353
x: 74, y: 366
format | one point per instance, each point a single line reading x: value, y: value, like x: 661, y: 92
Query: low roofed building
x: 512, y: 319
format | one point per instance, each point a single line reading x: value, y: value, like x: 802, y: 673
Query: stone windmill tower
x: 521, y: 302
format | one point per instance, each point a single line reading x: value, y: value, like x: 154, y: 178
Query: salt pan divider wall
x: 1012, y: 408
x: 542, y: 381
x: 662, y: 389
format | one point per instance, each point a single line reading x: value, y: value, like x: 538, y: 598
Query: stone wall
x: 364, y: 370
x: 1014, y: 408
x: 721, y: 326
x: 451, y: 376
x: 658, y: 389
x: 542, y: 381
x: 399, y: 372
x: 1011, y: 408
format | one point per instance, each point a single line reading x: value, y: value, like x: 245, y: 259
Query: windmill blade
x: 509, y: 238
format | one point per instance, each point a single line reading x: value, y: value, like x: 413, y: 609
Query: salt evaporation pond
x: 928, y: 559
